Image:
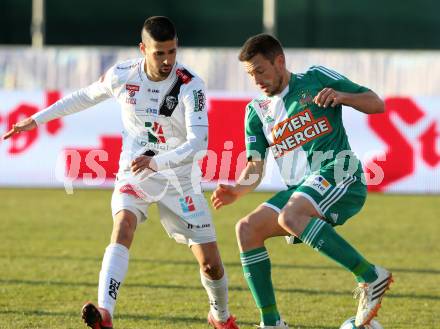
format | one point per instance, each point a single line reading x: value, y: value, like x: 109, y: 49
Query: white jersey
x: 167, y: 119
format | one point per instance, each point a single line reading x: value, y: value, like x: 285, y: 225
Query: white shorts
x: 184, y: 214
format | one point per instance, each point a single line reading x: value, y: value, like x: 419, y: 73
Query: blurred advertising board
x: 400, y: 149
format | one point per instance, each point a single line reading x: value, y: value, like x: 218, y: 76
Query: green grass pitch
x: 51, y: 246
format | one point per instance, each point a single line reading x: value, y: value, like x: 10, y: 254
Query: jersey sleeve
x: 194, y: 101
x: 256, y: 142
x: 78, y: 100
x: 332, y: 79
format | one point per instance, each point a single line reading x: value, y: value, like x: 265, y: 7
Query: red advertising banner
x: 400, y: 149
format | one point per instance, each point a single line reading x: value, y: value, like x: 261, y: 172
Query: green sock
x: 322, y: 237
x: 257, y: 272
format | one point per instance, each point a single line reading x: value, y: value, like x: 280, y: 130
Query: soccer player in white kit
x: 165, y: 131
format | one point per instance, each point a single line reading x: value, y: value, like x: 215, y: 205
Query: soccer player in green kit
x: 299, y: 118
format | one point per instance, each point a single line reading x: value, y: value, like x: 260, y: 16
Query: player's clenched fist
x: 328, y: 96
x: 23, y: 125
x: 223, y: 195
x: 142, y: 163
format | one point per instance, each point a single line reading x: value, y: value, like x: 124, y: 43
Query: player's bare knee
x: 212, y: 269
x: 294, y: 222
x: 249, y: 233
x: 125, y: 224
x: 244, y: 229
x: 288, y: 221
x: 123, y: 230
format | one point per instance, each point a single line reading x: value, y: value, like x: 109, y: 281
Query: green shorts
x: 335, y: 201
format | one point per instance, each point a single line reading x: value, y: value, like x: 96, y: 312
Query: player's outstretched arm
x: 75, y: 102
x: 249, y: 179
x: 367, y: 102
x: 23, y: 125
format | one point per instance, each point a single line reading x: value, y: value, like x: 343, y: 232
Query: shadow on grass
x: 137, y: 317
x: 98, y: 260
x: 307, y: 292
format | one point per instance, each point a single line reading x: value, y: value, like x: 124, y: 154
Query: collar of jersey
x: 286, y: 89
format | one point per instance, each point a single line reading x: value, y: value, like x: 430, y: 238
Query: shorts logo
x: 319, y: 245
x: 129, y: 189
x: 334, y: 217
x: 318, y: 183
x: 194, y: 226
x: 251, y: 139
x: 187, y: 204
x: 113, y: 288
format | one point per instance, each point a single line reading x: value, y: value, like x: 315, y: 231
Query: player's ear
x: 142, y: 48
x: 280, y: 60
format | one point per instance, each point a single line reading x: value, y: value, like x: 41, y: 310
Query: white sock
x: 218, y: 296
x: 113, y: 270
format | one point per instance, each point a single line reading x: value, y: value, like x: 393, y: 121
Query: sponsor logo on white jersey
x: 151, y: 111
x: 153, y: 146
x: 131, y: 91
x: 155, y: 132
x: 171, y: 102
x: 199, y: 100
x: 184, y: 75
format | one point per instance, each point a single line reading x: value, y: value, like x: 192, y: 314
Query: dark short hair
x: 266, y: 45
x: 159, y: 28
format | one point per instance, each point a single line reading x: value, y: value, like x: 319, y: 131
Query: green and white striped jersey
x: 302, y: 136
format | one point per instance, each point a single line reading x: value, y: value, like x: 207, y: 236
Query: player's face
x: 267, y: 76
x: 160, y: 57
